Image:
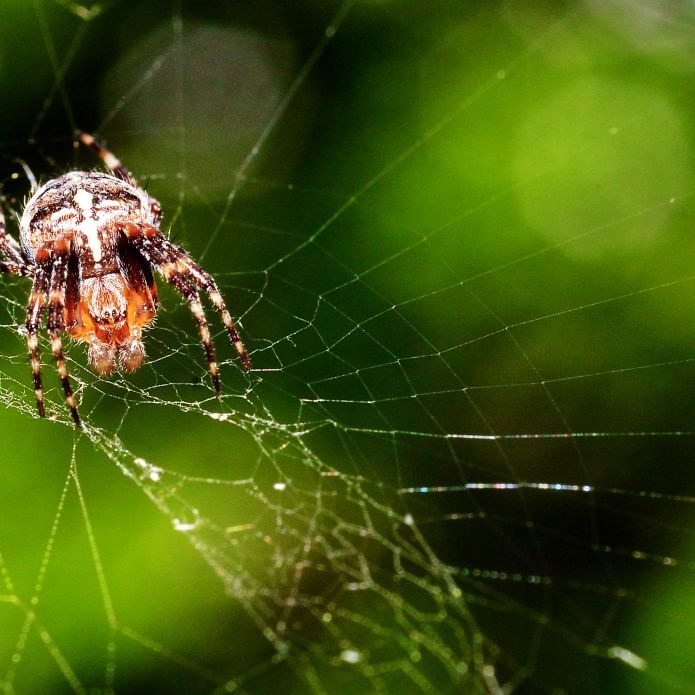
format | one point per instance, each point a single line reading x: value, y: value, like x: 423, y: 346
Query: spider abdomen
x: 84, y: 205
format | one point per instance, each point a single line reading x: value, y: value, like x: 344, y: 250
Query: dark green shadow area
x: 457, y: 241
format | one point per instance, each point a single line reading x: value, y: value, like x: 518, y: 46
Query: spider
x: 89, y: 242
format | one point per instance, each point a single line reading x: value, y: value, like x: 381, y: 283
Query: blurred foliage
x: 517, y: 259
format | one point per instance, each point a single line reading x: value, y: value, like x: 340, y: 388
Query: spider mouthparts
x: 102, y: 358
x: 131, y: 354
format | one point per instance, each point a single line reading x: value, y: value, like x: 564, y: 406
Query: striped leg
x: 16, y: 269
x: 117, y: 168
x: 56, y: 320
x: 109, y: 158
x: 11, y: 249
x: 186, y: 288
x: 37, y: 302
x: 159, y: 251
x: 17, y: 265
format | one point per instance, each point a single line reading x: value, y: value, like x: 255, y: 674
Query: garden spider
x: 89, y: 241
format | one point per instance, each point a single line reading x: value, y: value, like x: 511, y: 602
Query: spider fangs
x: 89, y: 241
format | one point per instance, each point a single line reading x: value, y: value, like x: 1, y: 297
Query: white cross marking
x: 89, y: 226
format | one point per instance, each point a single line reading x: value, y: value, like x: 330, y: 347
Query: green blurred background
x: 461, y: 253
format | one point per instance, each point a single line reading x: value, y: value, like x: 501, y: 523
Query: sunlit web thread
x: 549, y: 487
x: 270, y: 126
x: 172, y: 497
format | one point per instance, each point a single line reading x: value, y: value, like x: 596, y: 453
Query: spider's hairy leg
x: 37, y: 302
x: 109, y: 158
x: 188, y: 290
x: 12, y: 251
x: 171, y: 259
x: 56, y: 318
x: 216, y: 298
x: 16, y: 269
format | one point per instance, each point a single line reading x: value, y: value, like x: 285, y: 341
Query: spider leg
x: 37, y: 302
x: 188, y: 290
x: 171, y: 260
x: 56, y: 318
x: 109, y: 158
x: 16, y: 269
x: 11, y: 249
x: 190, y: 293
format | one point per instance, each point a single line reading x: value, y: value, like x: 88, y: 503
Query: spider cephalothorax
x: 89, y: 241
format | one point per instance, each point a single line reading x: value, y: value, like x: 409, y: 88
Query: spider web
x: 456, y: 242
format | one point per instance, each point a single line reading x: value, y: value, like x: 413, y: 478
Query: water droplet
x: 351, y: 656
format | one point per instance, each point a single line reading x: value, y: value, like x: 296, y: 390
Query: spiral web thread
x: 364, y: 483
